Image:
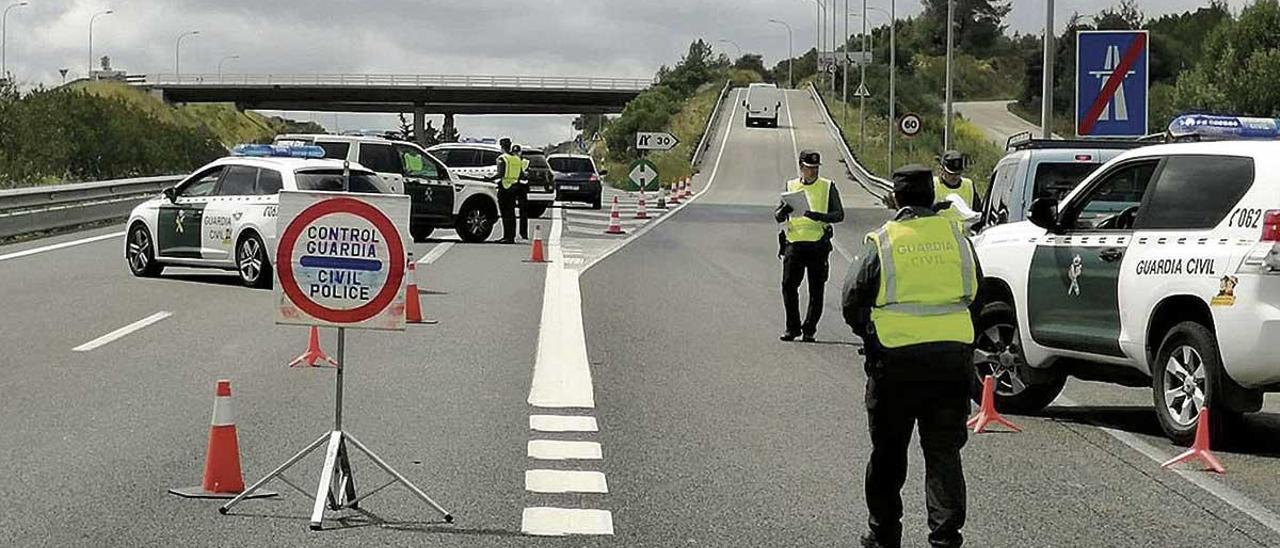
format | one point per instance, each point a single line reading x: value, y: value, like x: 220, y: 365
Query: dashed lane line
x: 435, y: 253
x: 114, y: 335
x: 63, y: 245
x: 564, y: 481
x: 564, y: 450
x: 545, y: 521
x: 562, y: 423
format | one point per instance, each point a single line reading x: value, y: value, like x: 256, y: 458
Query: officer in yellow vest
x: 806, y: 245
x: 952, y: 181
x: 912, y: 300
x: 510, y: 168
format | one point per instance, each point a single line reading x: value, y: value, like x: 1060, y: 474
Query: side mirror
x: 171, y: 194
x: 1044, y: 213
x: 604, y: 172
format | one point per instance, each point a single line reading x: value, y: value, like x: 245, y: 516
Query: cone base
x: 424, y: 321
x: 198, y: 492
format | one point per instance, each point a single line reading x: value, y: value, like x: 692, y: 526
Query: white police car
x: 1161, y: 269
x: 224, y: 215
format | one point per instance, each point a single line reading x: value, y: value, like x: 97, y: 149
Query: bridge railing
x: 400, y: 80
x: 44, y: 208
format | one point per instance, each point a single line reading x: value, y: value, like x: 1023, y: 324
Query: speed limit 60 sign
x: 909, y: 124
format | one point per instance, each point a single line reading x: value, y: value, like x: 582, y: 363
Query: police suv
x: 224, y: 215
x: 1161, y: 269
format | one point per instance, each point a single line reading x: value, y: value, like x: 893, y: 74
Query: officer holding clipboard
x: 807, y: 209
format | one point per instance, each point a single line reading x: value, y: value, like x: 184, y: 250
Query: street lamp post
x: 1046, y: 84
x: 91, y: 19
x: 893, y: 71
x: 734, y: 44
x: 845, y: 43
x: 224, y: 60
x: 4, y: 39
x: 790, y: 53
x: 821, y: 13
x: 177, y: 54
x: 951, y: 25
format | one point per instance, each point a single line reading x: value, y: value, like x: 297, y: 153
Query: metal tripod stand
x: 337, y: 488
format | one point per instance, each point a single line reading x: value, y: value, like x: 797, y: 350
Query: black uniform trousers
x: 926, y: 384
x: 508, y: 201
x: 801, y: 260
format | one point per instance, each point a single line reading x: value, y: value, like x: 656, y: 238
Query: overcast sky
x: 611, y: 38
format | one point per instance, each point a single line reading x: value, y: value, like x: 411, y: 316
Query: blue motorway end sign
x: 1111, y: 83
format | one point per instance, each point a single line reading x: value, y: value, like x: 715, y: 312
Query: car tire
x: 252, y: 263
x: 998, y: 352
x: 1189, y: 350
x: 535, y: 210
x: 475, y: 221
x: 420, y: 233
x: 140, y: 253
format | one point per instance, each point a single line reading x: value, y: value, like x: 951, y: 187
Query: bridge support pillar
x: 446, y: 131
x: 420, y: 125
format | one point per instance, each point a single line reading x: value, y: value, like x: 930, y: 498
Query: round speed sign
x: 910, y: 125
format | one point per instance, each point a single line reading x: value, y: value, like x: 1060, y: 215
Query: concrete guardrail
x: 705, y: 142
x: 43, y: 208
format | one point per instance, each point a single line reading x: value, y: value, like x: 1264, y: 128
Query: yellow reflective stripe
x: 966, y: 262
x: 927, y: 309
x: 888, y: 272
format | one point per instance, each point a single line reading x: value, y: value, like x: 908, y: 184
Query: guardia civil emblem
x: 1074, y: 271
x: 182, y: 216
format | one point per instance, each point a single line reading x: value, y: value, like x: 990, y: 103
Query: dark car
x: 541, y: 181
x: 576, y: 178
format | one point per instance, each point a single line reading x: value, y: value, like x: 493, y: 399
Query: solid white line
x: 791, y: 125
x: 561, y: 370
x: 564, y: 481
x: 564, y: 450
x: 842, y: 251
x: 733, y: 114
x: 62, y: 245
x: 555, y: 522
x: 435, y: 253
x: 562, y: 423
x: 1216, y: 488
x: 122, y: 332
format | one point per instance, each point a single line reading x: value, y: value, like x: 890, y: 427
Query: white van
x: 763, y: 102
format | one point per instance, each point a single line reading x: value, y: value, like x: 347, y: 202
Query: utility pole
x: 951, y: 26
x: 91, y: 19
x: 833, y: 45
x: 790, y: 53
x: 844, y: 116
x: 4, y: 39
x: 893, y: 71
x: 862, y: 100
x: 1046, y: 83
x: 177, y: 54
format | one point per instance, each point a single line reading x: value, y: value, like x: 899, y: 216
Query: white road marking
x: 63, y: 245
x: 122, y: 332
x: 545, y: 521
x: 791, y: 126
x: 1216, y: 488
x: 562, y: 423
x: 435, y: 253
x: 561, y: 370
x: 842, y: 251
x: 564, y: 481
x: 564, y: 450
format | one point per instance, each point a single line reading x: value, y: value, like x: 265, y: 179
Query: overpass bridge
x: 419, y: 94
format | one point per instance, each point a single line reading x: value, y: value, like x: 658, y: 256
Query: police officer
x: 911, y: 299
x: 510, y: 168
x: 952, y: 181
x: 805, y: 245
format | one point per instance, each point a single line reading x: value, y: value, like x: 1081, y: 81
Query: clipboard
x: 798, y: 200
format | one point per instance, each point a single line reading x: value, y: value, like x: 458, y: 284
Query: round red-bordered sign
x: 396, y: 261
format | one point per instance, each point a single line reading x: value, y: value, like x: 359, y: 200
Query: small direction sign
x: 910, y: 125
x: 862, y: 91
x: 643, y: 174
x: 655, y: 140
x: 341, y: 260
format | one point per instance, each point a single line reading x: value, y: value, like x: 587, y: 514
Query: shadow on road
x: 1256, y: 434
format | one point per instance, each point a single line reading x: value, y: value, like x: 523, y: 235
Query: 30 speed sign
x: 910, y: 125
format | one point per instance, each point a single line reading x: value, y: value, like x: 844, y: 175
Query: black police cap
x: 810, y: 158
x: 913, y: 178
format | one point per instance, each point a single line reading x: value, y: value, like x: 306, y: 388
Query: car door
x: 179, y: 221
x: 1073, y: 285
x: 224, y: 209
x: 382, y: 159
x: 427, y: 183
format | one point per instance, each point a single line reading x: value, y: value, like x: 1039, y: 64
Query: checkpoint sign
x: 340, y: 260
x: 1111, y: 83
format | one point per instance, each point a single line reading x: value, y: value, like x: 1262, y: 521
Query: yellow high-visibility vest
x: 928, y: 279
x: 804, y: 229
x: 514, y: 166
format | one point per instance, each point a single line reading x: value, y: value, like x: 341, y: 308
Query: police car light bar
x: 1211, y: 127
x: 278, y: 151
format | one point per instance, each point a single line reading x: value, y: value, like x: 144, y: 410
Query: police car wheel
x: 140, y: 253
x: 1186, y: 377
x: 475, y: 222
x: 998, y: 352
x: 421, y: 233
x: 252, y: 263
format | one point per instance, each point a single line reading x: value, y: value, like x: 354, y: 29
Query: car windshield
x: 330, y: 180
x: 1056, y: 179
x: 571, y: 165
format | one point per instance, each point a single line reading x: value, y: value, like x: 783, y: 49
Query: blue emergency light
x: 1211, y: 127
x: 278, y: 151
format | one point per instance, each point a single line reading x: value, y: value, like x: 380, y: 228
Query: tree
x: 1122, y: 16
x: 753, y: 62
x: 1245, y: 64
x: 979, y: 25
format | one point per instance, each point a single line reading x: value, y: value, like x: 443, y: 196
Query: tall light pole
x: 91, y: 19
x: 833, y: 43
x: 1046, y: 84
x: 734, y: 44
x: 845, y: 43
x: 224, y: 60
x: 177, y: 54
x: 821, y: 12
x: 4, y: 39
x: 790, y: 53
x: 893, y: 71
x: 862, y: 97
x: 951, y: 25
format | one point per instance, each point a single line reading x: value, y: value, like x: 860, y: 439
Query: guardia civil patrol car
x: 1161, y: 269
x: 224, y: 215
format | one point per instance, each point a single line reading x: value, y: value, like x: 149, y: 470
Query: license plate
x: 570, y: 187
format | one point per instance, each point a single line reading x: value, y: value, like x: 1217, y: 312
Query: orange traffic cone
x: 536, y: 253
x: 615, y: 222
x: 684, y: 190
x: 987, y: 413
x: 1200, y: 447
x: 688, y: 187
x: 412, y: 302
x: 222, y: 477
x: 314, y: 353
x: 641, y: 212
x: 675, y: 193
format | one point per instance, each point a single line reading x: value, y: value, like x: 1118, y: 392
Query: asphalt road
x: 712, y: 432
x: 995, y: 120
